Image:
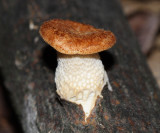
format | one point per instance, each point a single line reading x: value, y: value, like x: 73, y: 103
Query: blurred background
x: 144, y: 19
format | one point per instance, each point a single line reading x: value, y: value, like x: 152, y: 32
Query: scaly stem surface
x: 80, y: 79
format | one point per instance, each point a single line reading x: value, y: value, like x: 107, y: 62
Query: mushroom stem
x: 80, y: 79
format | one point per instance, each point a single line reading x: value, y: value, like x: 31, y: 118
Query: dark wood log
x: 8, y: 119
x: 28, y: 66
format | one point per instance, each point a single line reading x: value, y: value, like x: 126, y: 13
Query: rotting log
x: 28, y: 66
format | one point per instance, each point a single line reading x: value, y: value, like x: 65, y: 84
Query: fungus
x: 80, y: 75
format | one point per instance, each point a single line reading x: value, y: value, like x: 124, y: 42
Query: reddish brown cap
x: 71, y: 37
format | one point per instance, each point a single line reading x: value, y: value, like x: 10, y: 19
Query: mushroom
x: 80, y: 75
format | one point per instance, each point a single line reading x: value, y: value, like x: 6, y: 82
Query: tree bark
x: 28, y: 66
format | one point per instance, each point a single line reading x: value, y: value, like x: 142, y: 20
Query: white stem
x: 80, y: 79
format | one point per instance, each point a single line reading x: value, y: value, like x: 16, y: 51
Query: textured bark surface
x: 28, y: 66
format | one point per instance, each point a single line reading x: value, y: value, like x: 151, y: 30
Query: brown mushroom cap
x: 71, y: 37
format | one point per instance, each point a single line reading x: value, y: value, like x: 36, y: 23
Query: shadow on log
x: 49, y: 57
